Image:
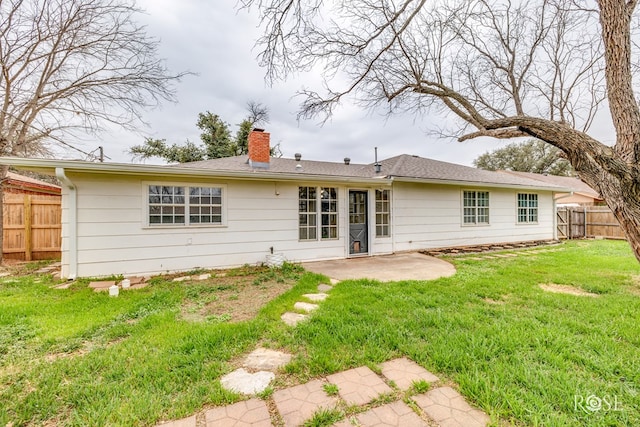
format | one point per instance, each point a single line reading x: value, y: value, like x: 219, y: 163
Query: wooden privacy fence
x: 587, y: 221
x: 32, y: 226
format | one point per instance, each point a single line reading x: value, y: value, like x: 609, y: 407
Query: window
x: 329, y: 217
x: 308, y: 208
x: 475, y: 207
x: 383, y: 213
x: 168, y: 205
x: 307, y: 213
x: 527, y: 208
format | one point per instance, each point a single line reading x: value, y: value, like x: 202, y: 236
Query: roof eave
x: 49, y: 166
x: 479, y: 184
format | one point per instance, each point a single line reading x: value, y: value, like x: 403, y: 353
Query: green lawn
x: 524, y: 355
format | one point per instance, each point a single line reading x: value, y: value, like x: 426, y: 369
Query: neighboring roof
x: 20, y: 181
x: 575, y: 184
x: 400, y: 168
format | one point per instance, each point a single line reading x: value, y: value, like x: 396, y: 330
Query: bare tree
x: 71, y: 66
x: 504, y: 69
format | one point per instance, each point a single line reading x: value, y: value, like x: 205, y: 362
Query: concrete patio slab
x: 298, y: 404
x: 263, y: 359
x: 292, y: 319
x: 244, y: 382
x: 358, y: 386
x: 396, y: 414
x: 385, y: 268
x: 249, y: 413
x: 404, y: 372
x: 448, y: 408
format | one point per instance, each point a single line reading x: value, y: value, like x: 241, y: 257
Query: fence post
x: 27, y: 228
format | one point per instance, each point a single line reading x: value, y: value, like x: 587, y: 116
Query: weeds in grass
x: 266, y: 393
x: 324, y: 417
x: 330, y: 389
x: 420, y: 386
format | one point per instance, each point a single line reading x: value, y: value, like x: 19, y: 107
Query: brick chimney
x: 259, y: 149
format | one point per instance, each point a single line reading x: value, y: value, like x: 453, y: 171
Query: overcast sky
x: 214, y: 40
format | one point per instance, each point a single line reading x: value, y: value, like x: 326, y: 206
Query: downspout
x: 72, y: 222
x: 555, y: 214
x: 393, y: 218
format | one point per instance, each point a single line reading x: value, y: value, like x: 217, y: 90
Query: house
x: 31, y: 220
x: 580, y: 193
x: 143, y: 219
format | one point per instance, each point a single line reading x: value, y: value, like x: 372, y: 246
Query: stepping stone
x: 5, y: 274
x: 298, y: 404
x: 263, y: 359
x: 393, y: 414
x: 102, y: 285
x: 305, y: 306
x: 358, y: 386
x: 323, y: 287
x: 241, y: 381
x: 334, y: 281
x: 64, y: 285
x: 185, y: 422
x: 182, y: 279
x: 316, y: 297
x: 404, y: 372
x: 447, y: 407
x: 137, y: 279
x: 136, y: 286
x: 252, y: 412
x: 292, y: 319
x: 203, y: 277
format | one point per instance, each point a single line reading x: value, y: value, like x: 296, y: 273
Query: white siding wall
x: 114, y: 238
x: 431, y: 217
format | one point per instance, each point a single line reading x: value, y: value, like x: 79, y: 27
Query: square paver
x: 359, y: 386
x: 249, y: 413
x: 299, y: 403
x: 448, y: 408
x: 404, y: 372
x: 185, y: 422
x: 396, y: 414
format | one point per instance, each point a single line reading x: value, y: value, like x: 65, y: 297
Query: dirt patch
x: 566, y: 289
x: 235, y: 295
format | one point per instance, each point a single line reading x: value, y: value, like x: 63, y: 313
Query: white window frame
x: 475, y: 208
x: 186, y: 186
x: 319, y: 214
x: 528, y: 209
x: 384, y: 225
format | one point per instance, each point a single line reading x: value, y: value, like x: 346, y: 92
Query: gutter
x: 72, y: 222
x: 71, y: 166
